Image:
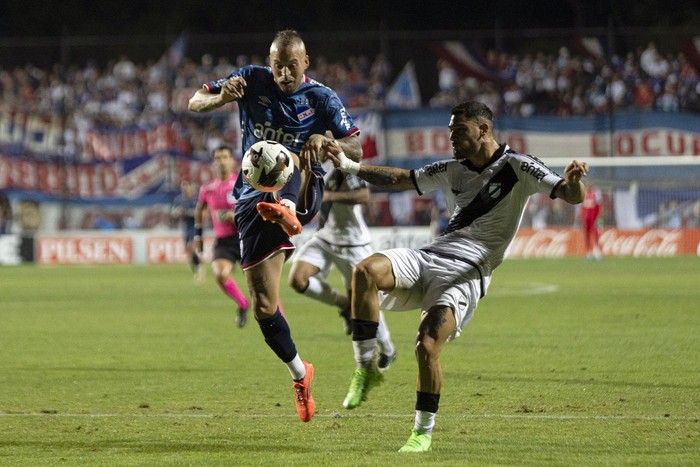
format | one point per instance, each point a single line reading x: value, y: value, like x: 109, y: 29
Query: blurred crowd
x: 565, y: 85
x: 124, y: 93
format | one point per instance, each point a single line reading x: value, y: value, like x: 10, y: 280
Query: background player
x: 215, y: 197
x: 342, y: 240
x: 281, y: 103
x: 490, y: 184
x: 590, y: 212
x: 183, y: 210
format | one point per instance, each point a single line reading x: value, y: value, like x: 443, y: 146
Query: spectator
x: 5, y: 215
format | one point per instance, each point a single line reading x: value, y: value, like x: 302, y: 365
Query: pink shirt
x: 216, y: 195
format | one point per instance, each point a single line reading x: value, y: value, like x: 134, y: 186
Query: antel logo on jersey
x: 344, y: 118
x: 266, y: 132
x: 436, y: 168
x: 532, y: 169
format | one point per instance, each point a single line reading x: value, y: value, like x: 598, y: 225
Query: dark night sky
x: 158, y: 17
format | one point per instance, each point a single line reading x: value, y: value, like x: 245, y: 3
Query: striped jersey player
x: 489, y: 185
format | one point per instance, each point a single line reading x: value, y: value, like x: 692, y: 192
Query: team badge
x: 494, y: 190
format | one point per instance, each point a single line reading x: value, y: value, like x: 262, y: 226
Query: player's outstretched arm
x: 205, y: 101
x: 392, y: 178
x: 356, y: 196
x: 316, y: 147
x: 352, y: 147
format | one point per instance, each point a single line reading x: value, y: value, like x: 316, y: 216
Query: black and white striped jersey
x: 489, y: 203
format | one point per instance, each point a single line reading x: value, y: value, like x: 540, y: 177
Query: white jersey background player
x: 341, y: 241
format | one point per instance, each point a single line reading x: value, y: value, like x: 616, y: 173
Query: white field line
x: 529, y: 416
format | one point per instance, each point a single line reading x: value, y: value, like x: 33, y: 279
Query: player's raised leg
x: 264, y: 291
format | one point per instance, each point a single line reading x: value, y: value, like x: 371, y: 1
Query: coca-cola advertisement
x: 560, y: 242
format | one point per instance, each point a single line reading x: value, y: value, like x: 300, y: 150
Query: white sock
x: 290, y: 204
x: 296, y: 368
x: 384, y: 337
x: 364, y: 352
x: 320, y: 291
x: 424, y: 422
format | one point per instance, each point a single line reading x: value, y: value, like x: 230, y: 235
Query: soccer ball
x: 267, y: 166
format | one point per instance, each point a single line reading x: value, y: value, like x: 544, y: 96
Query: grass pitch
x: 566, y: 362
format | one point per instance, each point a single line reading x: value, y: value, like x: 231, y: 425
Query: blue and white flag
x: 176, y: 52
x: 404, y: 92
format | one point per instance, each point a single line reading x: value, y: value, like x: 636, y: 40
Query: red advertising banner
x: 168, y: 249
x: 171, y: 249
x: 146, y: 247
x: 85, y: 250
x: 554, y: 243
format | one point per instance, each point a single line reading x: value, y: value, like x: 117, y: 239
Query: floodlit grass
x: 566, y: 362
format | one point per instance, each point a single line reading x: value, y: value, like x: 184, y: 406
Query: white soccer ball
x: 267, y: 166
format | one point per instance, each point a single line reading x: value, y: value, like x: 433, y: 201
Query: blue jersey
x: 267, y: 113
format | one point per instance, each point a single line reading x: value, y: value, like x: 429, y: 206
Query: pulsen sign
x: 116, y: 249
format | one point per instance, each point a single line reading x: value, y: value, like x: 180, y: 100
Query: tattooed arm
x: 386, y: 177
x: 392, y: 178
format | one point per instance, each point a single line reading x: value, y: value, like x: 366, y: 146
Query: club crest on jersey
x: 494, y: 190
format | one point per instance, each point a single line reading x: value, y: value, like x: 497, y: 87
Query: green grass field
x: 565, y: 363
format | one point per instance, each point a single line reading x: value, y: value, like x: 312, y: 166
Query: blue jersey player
x: 183, y: 210
x: 281, y: 103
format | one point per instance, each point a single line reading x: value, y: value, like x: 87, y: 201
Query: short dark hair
x: 223, y: 147
x: 287, y: 37
x: 473, y: 109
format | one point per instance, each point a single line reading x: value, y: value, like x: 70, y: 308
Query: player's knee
x: 221, y: 277
x: 426, y: 347
x: 366, y: 273
x: 298, y: 282
x: 433, y: 331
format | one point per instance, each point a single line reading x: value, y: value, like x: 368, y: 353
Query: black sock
x: 427, y: 402
x: 278, y: 336
x: 363, y: 330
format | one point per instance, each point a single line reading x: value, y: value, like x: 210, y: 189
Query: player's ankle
x: 291, y: 205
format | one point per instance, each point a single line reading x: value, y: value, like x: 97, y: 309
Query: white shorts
x: 424, y: 280
x: 324, y: 256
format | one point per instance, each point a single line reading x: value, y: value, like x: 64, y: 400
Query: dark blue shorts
x: 228, y: 248
x: 261, y: 239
